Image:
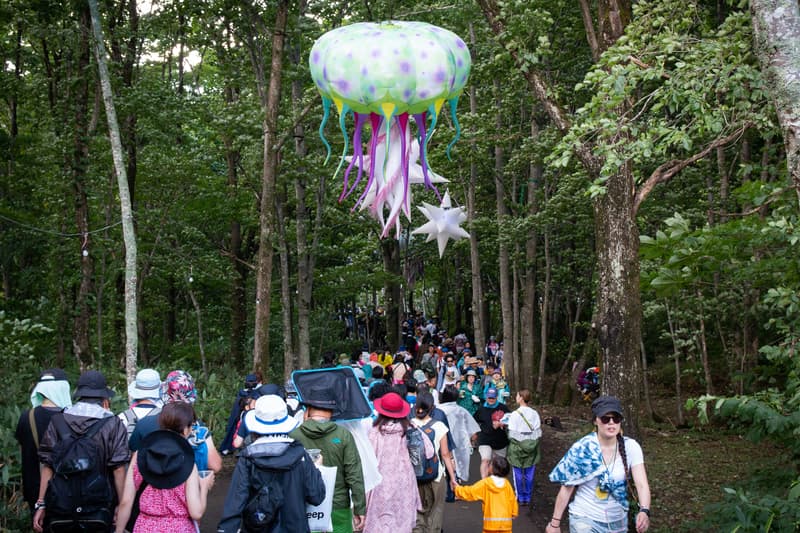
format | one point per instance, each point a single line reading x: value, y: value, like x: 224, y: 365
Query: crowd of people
x: 151, y: 467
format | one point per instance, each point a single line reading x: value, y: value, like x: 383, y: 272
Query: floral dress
x: 162, y: 510
x: 392, y: 505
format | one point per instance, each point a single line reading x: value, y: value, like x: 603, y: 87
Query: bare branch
x: 300, y: 116
x: 642, y: 65
x: 670, y: 169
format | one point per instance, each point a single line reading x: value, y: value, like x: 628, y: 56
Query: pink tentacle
x: 358, y: 153
x: 375, y: 123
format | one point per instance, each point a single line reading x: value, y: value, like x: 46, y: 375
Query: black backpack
x: 260, y: 514
x: 79, y: 496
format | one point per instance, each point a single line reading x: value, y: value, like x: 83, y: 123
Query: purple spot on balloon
x: 423, y: 94
x: 376, y: 52
x: 324, y: 73
x: 396, y: 51
x: 364, y: 71
x: 460, y: 62
x: 406, y: 93
x: 460, y: 43
x: 315, y: 57
x: 372, y: 89
x: 440, y: 76
x: 343, y: 85
x: 423, y: 55
x: 405, y: 67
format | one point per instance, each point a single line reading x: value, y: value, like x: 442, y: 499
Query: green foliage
x: 745, y: 511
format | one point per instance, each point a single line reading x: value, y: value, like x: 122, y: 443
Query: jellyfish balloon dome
x: 387, y: 75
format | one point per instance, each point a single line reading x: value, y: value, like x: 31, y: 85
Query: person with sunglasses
x: 596, y: 469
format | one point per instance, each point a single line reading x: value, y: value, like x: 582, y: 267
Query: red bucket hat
x: 392, y: 405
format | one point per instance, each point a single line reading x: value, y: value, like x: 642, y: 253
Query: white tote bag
x: 320, y: 517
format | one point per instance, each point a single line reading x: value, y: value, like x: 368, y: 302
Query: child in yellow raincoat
x: 499, y: 501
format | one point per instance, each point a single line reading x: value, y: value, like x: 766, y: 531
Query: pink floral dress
x: 392, y: 505
x: 162, y: 510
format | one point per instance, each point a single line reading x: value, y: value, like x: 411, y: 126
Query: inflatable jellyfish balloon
x: 387, y: 75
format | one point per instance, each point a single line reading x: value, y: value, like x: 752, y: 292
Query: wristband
x: 38, y: 505
x: 645, y: 510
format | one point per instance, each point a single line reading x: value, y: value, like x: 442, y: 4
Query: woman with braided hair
x: 598, y: 466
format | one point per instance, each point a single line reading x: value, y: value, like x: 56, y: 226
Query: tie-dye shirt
x: 601, y: 490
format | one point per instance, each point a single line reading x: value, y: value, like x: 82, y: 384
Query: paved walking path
x: 459, y: 516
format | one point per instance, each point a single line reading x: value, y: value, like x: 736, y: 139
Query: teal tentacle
x: 342, y: 115
x: 326, y: 112
x: 453, y: 103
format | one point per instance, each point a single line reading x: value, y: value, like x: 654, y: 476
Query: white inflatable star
x: 443, y: 222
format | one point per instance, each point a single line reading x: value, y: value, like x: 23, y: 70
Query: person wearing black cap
x: 339, y: 449
x: 596, y: 469
x: 91, y: 407
x: 251, y: 383
x: 50, y: 395
x: 242, y: 432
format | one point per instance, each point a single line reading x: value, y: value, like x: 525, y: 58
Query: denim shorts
x: 581, y: 524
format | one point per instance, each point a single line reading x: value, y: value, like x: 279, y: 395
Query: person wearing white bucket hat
x: 274, y: 460
x: 145, y: 396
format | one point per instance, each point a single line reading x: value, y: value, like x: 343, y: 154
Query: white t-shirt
x: 439, y: 431
x: 590, y: 502
x: 519, y: 429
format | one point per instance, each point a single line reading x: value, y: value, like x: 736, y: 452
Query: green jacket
x: 524, y: 453
x: 338, y: 449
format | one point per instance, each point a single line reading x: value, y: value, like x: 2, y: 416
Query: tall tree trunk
x: 616, y: 235
x: 544, y: 315
x: 236, y: 247
x: 393, y: 293
x: 677, y: 357
x: 238, y: 292
x: 478, y: 310
x: 200, y: 343
x: 270, y: 97
x: 128, y: 232
x: 776, y: 32
x: 306, y: 253
x: 289, y: 357
x: 701, y: 339
x: 509, y: 356
x: 80, y: 98
x: 528, y: 313
x: 619, y: 308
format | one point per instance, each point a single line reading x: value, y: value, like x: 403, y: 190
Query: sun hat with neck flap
x: 52, y: 385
